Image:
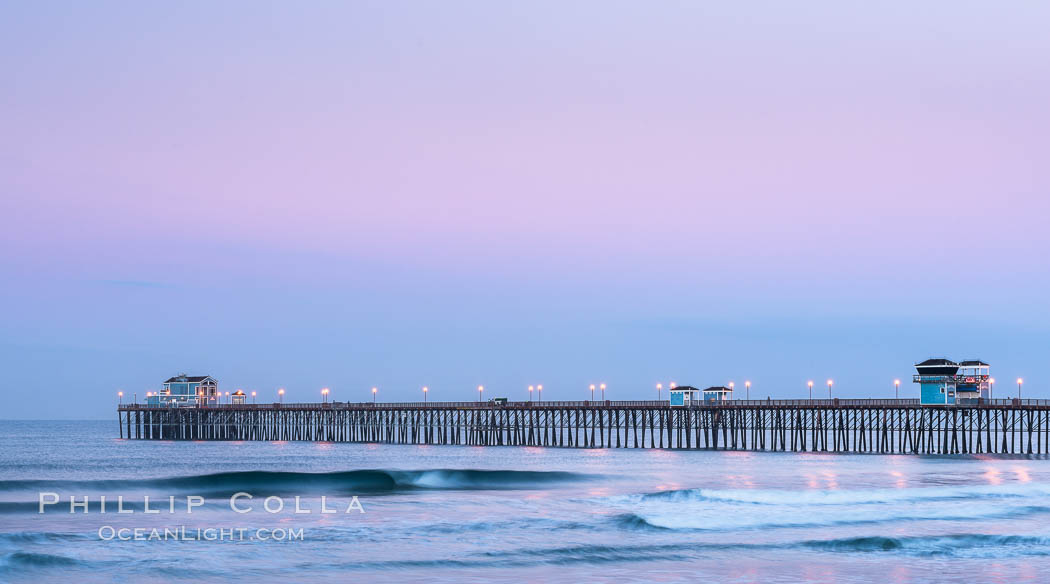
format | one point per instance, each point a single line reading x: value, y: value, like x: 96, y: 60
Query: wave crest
x: 849, y: 497
x: 35, y: 560
x: 339, y: 482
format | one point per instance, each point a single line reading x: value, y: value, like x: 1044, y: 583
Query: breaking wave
x: 348, y: 482
x: 966, y: 544
x: 849, y: 497
x: 756, y: 509
x: 35, y: 560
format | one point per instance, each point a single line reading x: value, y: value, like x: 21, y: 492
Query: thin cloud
x: 136, y: 284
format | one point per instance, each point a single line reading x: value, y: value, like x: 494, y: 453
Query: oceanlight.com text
x: 183, y: 533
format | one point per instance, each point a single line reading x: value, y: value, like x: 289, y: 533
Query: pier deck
x: 840, y: 425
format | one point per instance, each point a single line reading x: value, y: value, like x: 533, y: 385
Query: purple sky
x: 404, y: 194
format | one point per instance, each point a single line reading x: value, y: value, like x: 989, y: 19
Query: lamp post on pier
x: 896, y: 389
x: 747, y: 390
x: 530, y: 393
x: 324, y: 394
x: 424, y: 394
x: 1019, y: 383
x: 481, y: 388
x: 374, y: 390
x: 253, y: 396
x: 120, y: 397
x: 810, y: 384
x: 830, y: 383
x: 539, y: 392
x: 592, y: 392
x: 280, y: 395
x: 603, y: 391
x: 659, y: 387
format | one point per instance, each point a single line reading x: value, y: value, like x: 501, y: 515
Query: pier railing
x: 823, y: 403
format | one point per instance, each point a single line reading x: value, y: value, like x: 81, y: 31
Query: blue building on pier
x: 684, y: 395
x: 186, y: 390
x: 945, y: 382
x: 717, y: 393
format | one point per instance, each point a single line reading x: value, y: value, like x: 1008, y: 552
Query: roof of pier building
x: 684, y: 388
x: 934, y: 367
x: 189, y: 378
x: 935, y: 362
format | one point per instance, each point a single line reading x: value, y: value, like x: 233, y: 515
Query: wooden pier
x: 858, y: 426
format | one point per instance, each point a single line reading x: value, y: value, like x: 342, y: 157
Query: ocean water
x: 466, y: 514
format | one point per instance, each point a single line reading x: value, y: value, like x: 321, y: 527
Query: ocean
x: 472, y: 514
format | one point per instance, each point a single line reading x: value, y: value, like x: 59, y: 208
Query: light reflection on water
x: 437, y: 513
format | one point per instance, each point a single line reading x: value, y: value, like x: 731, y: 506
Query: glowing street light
x: 481, y: 388
x: 530, y: 392
x: 425, y: 394
x: 991, y: 387
x: 747, y: 390
x: 1019, y: 383
x: 120, y: 397
x: 280, y: 395
x: 539, y: 391
x: 830, y: 383
x: 324, y: 394
x: 592, y: 392
x: 897, y: 388
x: 731, y: 386
x: 603, y: 391
x: 253, y: 396
x: 659, y: 388
x: 810, y: 384
x: 374, y: 390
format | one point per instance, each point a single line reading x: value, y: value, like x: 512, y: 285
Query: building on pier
x: 717, y: 394
x: 238, y: 397
x: 186, y: 390
x: 684, y: 395
x: 945, y: 382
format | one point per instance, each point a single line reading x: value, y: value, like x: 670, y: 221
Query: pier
x: 893, y: 426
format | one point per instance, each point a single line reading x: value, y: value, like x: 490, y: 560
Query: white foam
x: 729, y: 509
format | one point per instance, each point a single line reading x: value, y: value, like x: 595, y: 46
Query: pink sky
x: 604, y: 162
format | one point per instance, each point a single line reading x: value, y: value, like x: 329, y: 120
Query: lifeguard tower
x: 945, y: 382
